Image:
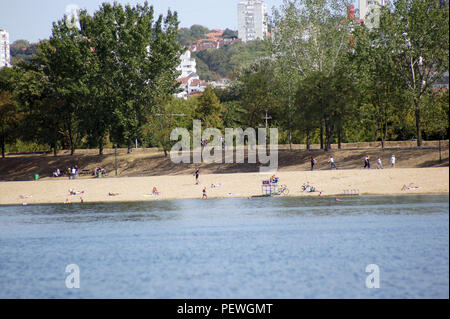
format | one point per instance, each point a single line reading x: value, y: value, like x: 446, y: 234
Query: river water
x: 228, y: 248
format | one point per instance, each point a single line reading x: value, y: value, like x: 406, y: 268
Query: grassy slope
x: 150, y: 162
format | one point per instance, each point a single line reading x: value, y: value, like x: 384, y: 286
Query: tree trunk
x: 321, y: 136
x: 440, y: 152
x: 2, y: 142
x: 327, y: 136
x: 385, y: 127
x: 381, y: 134
x: 100, y: 147
x: 418, y: 125
x: 308, y: 141
x: 53, y: 145
x: 339, y: 138
x: 72, y: 146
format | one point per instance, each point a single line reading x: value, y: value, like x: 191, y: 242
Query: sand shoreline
x: 331, y: 197
x: 172, y: 187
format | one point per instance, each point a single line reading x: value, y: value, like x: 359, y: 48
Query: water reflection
x: 95, y: 212
x: 226, y: 208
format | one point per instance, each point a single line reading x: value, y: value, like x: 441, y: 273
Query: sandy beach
x: 388, y: 181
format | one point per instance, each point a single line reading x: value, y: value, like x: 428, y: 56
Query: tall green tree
x: 39, y: 105
x: 65, y: 62
x: 310, y: 39
x: 209, y: 110
x: 379, y: 84
x: 9, y: 113
x: 417, y: 34
x: 133, y: 60
x: 256, y: 87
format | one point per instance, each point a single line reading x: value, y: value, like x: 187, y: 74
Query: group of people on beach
x: 330, y: 160
x: 99, y: 171
x: 379, y: 164
x: 366, y: 162
x: 72, y: 172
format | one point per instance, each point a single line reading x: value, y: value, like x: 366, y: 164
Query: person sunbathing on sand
x: 113, y: 194
x: 410, y: 186
x: 57, y: 173
x: 273, y: 179
x: 74, y: 192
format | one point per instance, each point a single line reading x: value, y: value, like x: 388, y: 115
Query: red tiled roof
x: 184, y: 80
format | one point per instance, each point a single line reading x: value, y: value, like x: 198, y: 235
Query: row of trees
x: 97, y: 77
x: 331, y: 79
x: 323, y: 78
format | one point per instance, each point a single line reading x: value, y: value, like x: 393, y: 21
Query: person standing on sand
x: 392, y: 160
x: 379, y: 165
x: 367, y: 162
x: 332, y: 164
x: 313, y: 162
x: 204, y: 196
x: 197, y: 172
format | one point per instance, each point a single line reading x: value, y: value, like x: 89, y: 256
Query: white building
x: 252, y: 20
x: 5, y: 59
x: 364, y: 6
x: 188, y: 79
x: 187, y: 65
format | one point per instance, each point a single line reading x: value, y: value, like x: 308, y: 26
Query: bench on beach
x: 85, y: 172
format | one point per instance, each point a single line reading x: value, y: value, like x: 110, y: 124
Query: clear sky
x: 32, y: 19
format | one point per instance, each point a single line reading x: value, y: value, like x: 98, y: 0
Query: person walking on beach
x: 313, y: 162
x: 204, y: 196
x: 393, y: 160
x: 379, y: 165
x: 197, y: 172
x: 367, y: 162
x: 332, y: 164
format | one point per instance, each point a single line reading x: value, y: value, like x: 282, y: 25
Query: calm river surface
x: 228, y: 248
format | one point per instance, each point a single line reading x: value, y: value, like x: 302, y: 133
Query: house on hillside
x: 189, y: 80
x: 213, y: 40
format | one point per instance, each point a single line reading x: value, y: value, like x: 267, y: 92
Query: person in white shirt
x: 379, y: 165
x: 332, y: 164
x: 392, y: 160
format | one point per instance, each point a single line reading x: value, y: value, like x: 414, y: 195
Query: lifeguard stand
x: 270, y: 188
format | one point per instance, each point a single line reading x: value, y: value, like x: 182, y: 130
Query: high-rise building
x: 4, y: 49
x: 252, y: 20
x: 364, y: 6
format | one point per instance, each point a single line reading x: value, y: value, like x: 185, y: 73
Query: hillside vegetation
x: 212, y: 64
